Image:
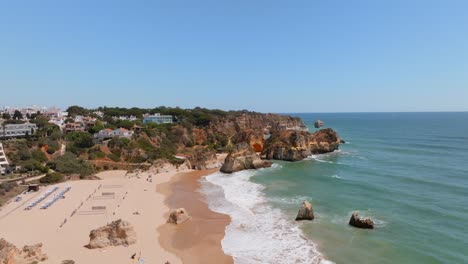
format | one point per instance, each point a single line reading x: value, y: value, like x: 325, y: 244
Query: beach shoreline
x: 199, y: 239
x: 64, y: 228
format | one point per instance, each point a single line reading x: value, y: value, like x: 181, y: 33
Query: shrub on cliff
x: 80, y: 139
x: 113, y: 157
x: 71, y: 164
x: 53, y: 177
x: 38, y: 155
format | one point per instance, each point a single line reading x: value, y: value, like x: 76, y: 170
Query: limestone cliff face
x: 9, y: 254
x: 293, y: 145
x: 203, y: 158
x: 252, y: 128
x: 243, y: 157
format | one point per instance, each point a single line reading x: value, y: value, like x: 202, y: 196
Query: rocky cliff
x: 294, y: 145
x: 252, y: 128
x: 243, y: 157
x: 203, y: 158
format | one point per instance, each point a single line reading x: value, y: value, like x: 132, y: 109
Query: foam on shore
x: 258, y: 233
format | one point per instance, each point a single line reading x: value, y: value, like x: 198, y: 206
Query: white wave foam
x: 258, y: 233
x: 296, y: 200
x: 336, y: 176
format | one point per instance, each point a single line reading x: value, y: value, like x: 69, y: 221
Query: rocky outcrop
x: 178, y: 216
x: 306, y: 212
x: 243, y: 157
x: 293, y: 145
x: 253, y: 128
x: 360, y: 222
x: 164, y: 165
x: 10, y: 254
x: 203, y: 158
x: 318, y: 123
x: 116, y: 233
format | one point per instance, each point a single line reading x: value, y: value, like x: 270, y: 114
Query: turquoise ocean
x: 408, y: 171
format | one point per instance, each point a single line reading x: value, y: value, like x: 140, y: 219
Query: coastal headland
x: 155, y: 168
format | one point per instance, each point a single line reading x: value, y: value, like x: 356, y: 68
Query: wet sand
x: 199, y: 239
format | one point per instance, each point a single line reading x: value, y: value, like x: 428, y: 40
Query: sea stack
x: 306, y: 212
x: 359, y: 222
x: 318, y: 123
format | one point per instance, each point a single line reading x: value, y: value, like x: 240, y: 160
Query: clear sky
x: 269, y: 56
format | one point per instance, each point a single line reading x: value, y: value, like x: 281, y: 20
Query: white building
x: 157, y: 118
x: 129, y: 118
x: 109, y: 133
x: 17, y: 130
x: 3, y: 160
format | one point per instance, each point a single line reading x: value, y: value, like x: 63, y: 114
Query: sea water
x: 407, y: 171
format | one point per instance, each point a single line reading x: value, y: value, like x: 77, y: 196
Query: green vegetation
x: 79, y: 142
x: 38, y: 155
x: 53, y: 177
x: 7, y: 186
x: 69, y: 163
x: 151, y: 143
x: 113, y: 157
x: 75, y: 110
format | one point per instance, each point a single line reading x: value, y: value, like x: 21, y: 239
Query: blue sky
x: 269, y: 56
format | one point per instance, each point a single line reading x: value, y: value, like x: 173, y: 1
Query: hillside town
x: 30, y: 124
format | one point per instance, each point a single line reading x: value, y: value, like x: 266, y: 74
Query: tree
x: 6, y: 116
x: 75, y: 110
x: 80, y: 139
x: 17, y: 115
x: 39, y: 155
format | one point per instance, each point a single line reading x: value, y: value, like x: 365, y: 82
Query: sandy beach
x: 64, y: 227
x: 199, y: 239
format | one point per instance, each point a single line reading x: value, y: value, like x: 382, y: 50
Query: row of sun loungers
x: 55, y: 198
x: 41, y: 198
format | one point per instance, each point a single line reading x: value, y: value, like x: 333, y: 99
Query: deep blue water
x: 408, y: 171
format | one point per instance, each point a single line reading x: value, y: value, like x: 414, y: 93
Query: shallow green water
x: 408, y: 171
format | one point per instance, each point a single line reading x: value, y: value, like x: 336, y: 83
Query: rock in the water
x: 359, y: 222
x: 243, y: 157
x: 306, y: 212
x: 116, y: 233
x: 342, y: 141
x: 178, y: 216
x: 9, y: 254
x: 318, y: 123
x: 297, y: 145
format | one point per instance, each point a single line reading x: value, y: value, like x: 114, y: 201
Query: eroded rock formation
x: 253, y: 128
x: 116, y: 233
x: 306, y: 212
x: 360, y: 222
x: 318, y: 123
x: 178, y: 216
x: 203, y: 158
x: 243, y: 157
x: 10, y: 254
x: 293, y: 145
